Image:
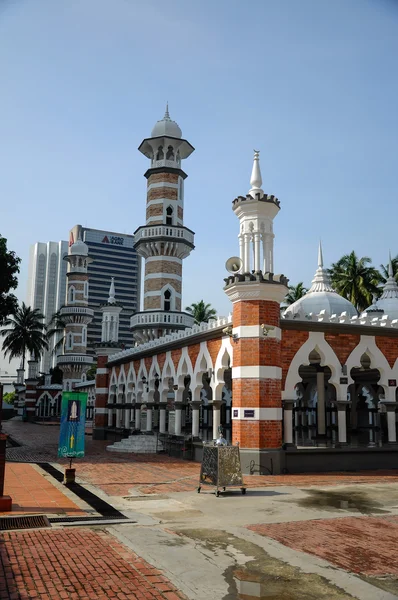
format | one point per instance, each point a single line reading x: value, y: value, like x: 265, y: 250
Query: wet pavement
x: 291, y: 537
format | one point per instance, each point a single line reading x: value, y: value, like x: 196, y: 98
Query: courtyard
x: 290, y: 537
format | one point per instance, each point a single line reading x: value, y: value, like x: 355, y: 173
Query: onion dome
x: 320, y: 297
x: 166, y: 127
x: 388, y: 301
x: 79, y: 248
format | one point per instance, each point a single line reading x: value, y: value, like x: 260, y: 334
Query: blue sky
x: 312, y: 83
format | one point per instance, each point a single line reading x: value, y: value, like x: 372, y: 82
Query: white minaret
x: 75, y: 361
x: 110, y: 317
x: 163, y: 241
x: 256, y: 213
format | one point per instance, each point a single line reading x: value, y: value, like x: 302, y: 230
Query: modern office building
x: 47, y: 285
x: 113, y: 256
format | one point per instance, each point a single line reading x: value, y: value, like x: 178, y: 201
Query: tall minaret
x: 110, y: 317
x: 76, y: 314
x: 256, y: 213
x: 164, y: 241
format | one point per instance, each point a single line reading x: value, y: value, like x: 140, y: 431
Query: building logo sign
x: 113, y: 239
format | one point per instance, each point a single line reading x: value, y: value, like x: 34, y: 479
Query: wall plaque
x: 344, y: 380
x: 392, y: 382
x: 248, y: 413
x: 236, y: 413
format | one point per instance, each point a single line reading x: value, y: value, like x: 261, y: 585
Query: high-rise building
x: 47, y: 286
x: 113, y: 255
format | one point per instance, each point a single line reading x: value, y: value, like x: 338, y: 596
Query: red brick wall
x: 256, y: 312
x: 257, y: 434
x: 343, y: 344
x: 291, y: 343
x: 389, y: 347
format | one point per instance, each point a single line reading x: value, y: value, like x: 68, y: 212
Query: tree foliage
x: 9, y: 397
x: 384, y: 269
x: 91, y: 373
x: 24, y: 332
x: 355, y: 279
x: 9, y: 267
x: 295, y: 293
x: 201, y: 312
x: 56, y: 328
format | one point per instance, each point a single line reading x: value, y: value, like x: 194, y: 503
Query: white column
x: 195, y: 418
x: 257, y: 264
x: 391, y: 423
x: 271, y: 254
x: 247, y: 253
x: 320, y: 388
x: 241, y: 249
x: 110, y: 417
x: 127, y: 418
x: 216, y: 417
x: 288, y: 421
x: 342, y: 420
x: 137, y: 424
x: 177, y: 423
x: 149, y: 418
x: 267, y: 254
x: 162, y: 418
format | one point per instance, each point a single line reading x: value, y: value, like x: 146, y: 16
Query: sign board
x: 113, y: 239
x: 344, y: 380
x: 249, y: 414
x: 172, y: 421
x: 392, y: 382
x: 236, y: 413
x: 73, y: 421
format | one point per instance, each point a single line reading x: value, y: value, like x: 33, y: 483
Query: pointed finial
x: 166, y: 114
x: 390, y: 269
x: 256, y: 179
x: 112, y: 299
x: 320, y: 255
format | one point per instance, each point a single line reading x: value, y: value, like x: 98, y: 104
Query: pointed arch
x: 367, y: 345
x: 316, y: 341
x: 223, y: 361
x: 184, y: 367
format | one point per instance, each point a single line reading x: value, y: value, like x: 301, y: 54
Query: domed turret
x: 320, y: 296
x: 387, y: 304
x: 166, y: 127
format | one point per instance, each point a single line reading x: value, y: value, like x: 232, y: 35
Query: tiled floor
x: 31, y: 492
x: 80, y: 565
x: 366, y: 545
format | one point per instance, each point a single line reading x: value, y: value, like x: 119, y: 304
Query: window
x: 170, y: 153
x: 169, y: 215
x: 71, y: 295
x: 69, y: 341
x: 160, y: 153
x: 84, y: 335
x: 86, y: 289
x: 167, y: 300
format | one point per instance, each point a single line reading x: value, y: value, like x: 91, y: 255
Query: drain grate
x: 24, y: 522
x: 84, y: 519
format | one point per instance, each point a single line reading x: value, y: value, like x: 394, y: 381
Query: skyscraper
x: 47, y: 285
x: 113, y: 256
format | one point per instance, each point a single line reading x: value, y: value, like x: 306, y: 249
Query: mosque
x: 312, y: 389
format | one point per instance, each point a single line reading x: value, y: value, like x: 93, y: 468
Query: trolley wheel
x: 199, y: 488
x: 217, y: 493
x: 243, y: 490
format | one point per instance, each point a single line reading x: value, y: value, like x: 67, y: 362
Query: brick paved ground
x: 33, y: 493
x: 79, y: 564
x: 365, y: 545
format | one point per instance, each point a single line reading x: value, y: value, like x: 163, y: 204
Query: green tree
x: 9, y: 267
x: 201, y: 312
x: 295, y: 293
x: 56, y: 328
x: 91, y: 373
x: 9, y: 397
x: 24, y: 332
x: 355, y: 279
x: 384, y: 269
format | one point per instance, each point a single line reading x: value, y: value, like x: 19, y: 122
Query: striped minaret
x: 75, y: 361
x: 163, y: 241
x: 256, y: 294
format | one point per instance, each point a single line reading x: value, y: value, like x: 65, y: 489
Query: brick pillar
x: 257, y: 371
x: 30, y: 390
x: 100, y: 422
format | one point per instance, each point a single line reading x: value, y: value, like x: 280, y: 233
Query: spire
x: 256, y: 179
x: 390, y: 269
x: 390, y: 288
x: 112, y: 299
x: 320, y: 255
x: 166, y: 114
x: 321, y: 281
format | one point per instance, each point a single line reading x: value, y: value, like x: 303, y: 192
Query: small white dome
x: 79, y: 248
x: 389, y: 306
x: 321, y: 296
x: 166, y: 127
x: 388, y: 301
x: 313, y: 302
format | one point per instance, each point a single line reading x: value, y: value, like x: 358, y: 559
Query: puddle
x: 254, y: 574
x: 352, y: 501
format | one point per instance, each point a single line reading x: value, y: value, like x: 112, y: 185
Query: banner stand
x: 72, y: 431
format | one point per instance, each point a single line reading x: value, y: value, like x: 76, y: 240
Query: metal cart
x: 221, y: 468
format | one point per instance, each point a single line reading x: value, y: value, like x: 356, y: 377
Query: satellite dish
x: 234, y: 265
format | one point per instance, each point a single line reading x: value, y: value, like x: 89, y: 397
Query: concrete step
x: 140, y: 444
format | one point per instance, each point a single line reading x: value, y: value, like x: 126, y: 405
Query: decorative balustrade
x: 149, y: 232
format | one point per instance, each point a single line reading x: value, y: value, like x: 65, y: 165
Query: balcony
x: 164, y: 240
x: 161, y: 319
x: 75, y: 359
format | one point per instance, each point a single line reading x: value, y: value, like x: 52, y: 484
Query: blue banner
x: 73, y: 422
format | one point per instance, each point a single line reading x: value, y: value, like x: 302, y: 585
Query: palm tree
x: 201, y: 312
x: 56, y: 328
x: 24, y: 332
x: 295, y: 293
x: 354, y: 279
x: 384, y: 269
